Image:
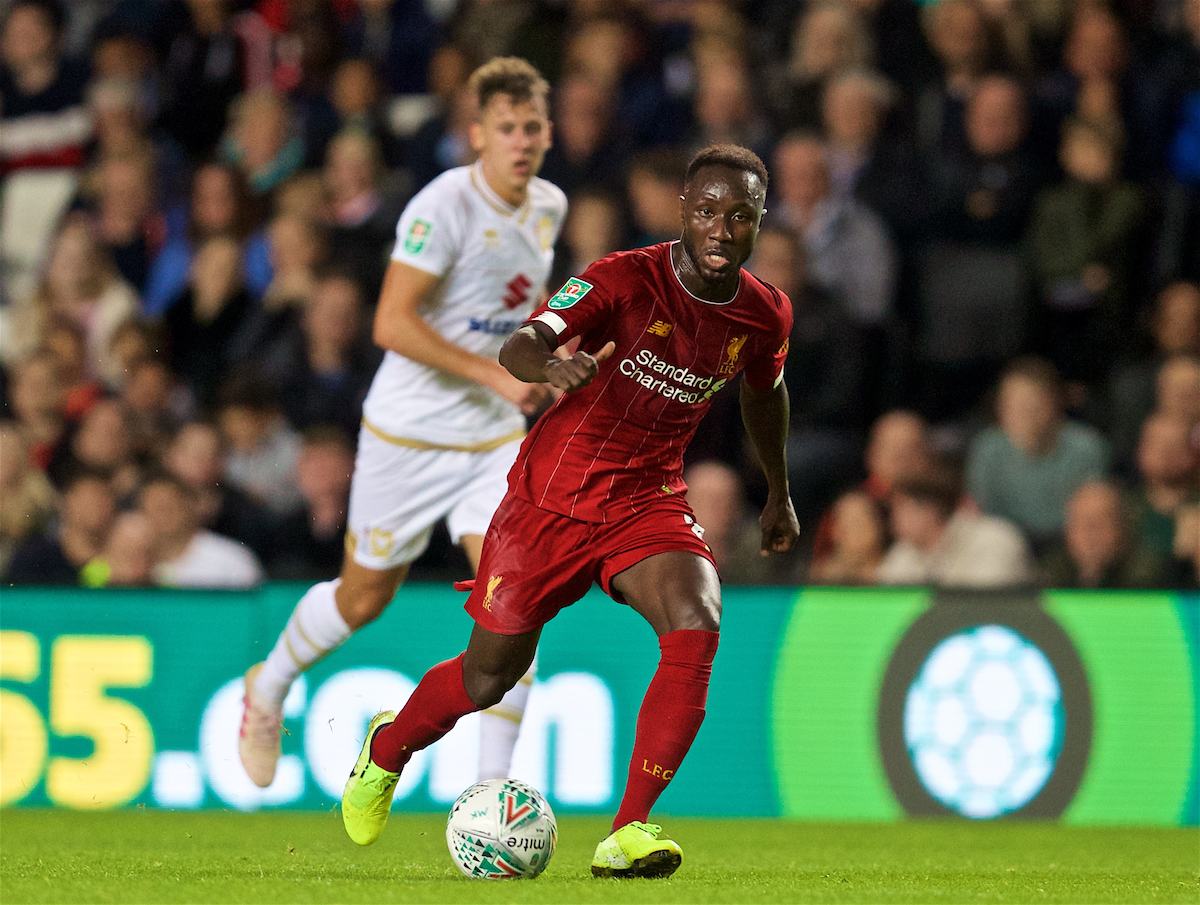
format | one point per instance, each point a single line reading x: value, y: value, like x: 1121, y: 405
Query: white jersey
x: 494, y: 261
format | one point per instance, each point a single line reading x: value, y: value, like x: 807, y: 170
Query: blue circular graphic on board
x: 984, y: 721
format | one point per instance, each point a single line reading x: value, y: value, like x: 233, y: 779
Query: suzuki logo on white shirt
x: 518, y: 291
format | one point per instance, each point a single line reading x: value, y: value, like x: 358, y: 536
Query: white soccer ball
x: 501, y: 828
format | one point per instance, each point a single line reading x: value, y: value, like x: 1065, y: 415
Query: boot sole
x: 655, y: 866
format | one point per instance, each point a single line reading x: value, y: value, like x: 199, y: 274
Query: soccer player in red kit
x: 596, y: 494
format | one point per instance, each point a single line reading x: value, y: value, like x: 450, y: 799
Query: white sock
x: 315, y: 629
x: 498, y: 728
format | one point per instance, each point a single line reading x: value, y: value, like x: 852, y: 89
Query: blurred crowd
x: 986, y: 214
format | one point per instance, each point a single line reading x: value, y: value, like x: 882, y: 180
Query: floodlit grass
x: 154, y: 856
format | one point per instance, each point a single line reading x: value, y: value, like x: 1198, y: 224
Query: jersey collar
x: 494, y: 201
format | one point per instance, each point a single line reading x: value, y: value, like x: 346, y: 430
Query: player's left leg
x: 679, y: 594
x: 500, y: 724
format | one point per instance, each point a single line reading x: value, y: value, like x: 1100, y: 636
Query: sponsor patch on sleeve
x: 573, y: 290
x: 418, y: 233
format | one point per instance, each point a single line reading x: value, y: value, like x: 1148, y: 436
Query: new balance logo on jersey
x: 518, y: 291
x: 660, y: 328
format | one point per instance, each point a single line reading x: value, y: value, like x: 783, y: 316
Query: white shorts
x: 398, y: 494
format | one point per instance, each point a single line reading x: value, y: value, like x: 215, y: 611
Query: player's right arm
x: 528, y: 354
x: 400, y: 328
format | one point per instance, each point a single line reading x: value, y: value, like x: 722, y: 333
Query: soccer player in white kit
x: 443, y: 420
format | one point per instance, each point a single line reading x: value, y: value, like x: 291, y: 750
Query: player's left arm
x: 765, y: 414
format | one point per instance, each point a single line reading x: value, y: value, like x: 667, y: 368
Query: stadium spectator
x: 27, y: 498
x: 726, y: 108
x: 43, y: 121
x: 595, y: 228
x: 79, y: 533
x: 210, y: 59
x: 1175, y: 329
x: 363, y: 225
x: 357, y: 98
x: 261, y: 450
x: 322, y: 365
x: 939, y: 543
x: 99, y: 444
x: 196, y: 455
x: 848, y: 249
x: 1177, y: 391
x: 898, y: 447
x: 38, y: 399
x: 972, y: 278
x: 186, y: 555
x: 824, y: 377
x: 309, y: 542
x: 399, y: 38
x: 263, y: 140
x: 1098, y: 548
x: 63, y: 338
x: 127, y: 560
x: 1169, y: 472
x: 881, y: 169
x: 828, y: 38
x: 127, y: 221
x: 1182, y: 571
x: 206, y: 327
x: 957, y: 33
x: 1084, y: 236
x: 82, y: 284
x: 859, y: 537
x: 653, y: 181
x: 220, y: 205
x: 297, y: 247
x: 589, y: 151
x: 150, y: 397
x: 613, y: 49
x: 442, y: 142
x: 1026, y: 467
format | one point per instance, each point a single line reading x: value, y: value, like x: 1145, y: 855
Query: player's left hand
x: 780, y: 529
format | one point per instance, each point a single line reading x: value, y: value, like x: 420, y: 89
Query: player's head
x: 511, y: 132
x: 723, y: 200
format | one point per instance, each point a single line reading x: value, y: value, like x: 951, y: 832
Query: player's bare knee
x: 698, y: 614
x: 487, y: 689
x: 361, y: 605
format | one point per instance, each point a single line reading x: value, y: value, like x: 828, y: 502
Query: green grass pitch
x: 152, y: 856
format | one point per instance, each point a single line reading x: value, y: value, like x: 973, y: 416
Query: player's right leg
x: 322, y: 621
x: 474, y: 680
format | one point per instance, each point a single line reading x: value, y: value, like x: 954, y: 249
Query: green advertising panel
x: 825, y: 704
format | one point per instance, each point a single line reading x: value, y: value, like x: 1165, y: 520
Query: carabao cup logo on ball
x: 983, y: 721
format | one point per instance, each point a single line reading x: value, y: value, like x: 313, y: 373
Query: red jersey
x: 608, y: 450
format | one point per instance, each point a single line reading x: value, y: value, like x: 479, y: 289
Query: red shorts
x: 535, y: 562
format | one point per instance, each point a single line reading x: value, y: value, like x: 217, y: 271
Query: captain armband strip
x: 553, y: 321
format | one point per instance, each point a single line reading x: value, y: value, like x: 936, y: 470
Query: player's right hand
x: 576, y: 372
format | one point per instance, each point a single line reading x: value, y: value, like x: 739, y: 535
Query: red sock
x: 671, y: 714
x: 436, y: 705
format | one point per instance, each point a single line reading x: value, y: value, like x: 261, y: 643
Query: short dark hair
x: 726, y: 155
x: 937, y: 486
x: 517, y: 78
x: 1039, y: 371
x: 162, y: 476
